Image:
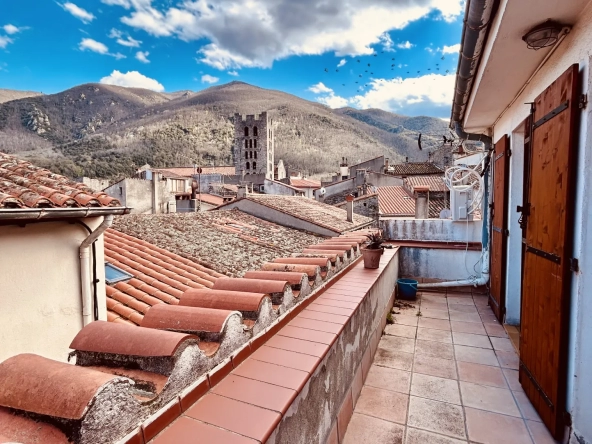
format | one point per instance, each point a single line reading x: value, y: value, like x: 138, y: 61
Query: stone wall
x: 254, y: 144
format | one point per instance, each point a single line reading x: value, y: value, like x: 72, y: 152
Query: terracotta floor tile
x: 526, y: 408
x: 471, y: 340
x: 435, y: 416
x: 239, y: 417
x: 502, y: 344
x: 433, y: 387
x: 465, y: 317
x: 327, y: 317
x: 336, y: 303
x: 429, y: 313
x: 393, y: 359
x: 417, y: 436
x: 459, y: 308
x: 488, y: 318
x: 437, y: 324
x: 539, y: 433
x: 365, y: 429
x: 508, y: 359
x: 460, y: 300
x: 435, y: 349
x: 186, y: 429
x: 307, y: 335
x: 492, y: 399
x: 397, y: 343
x: 383, y: 404
x: 261, y: 394
x: 430, y: 334
x: 475, y: 355
x: 468, y: 327
x: 402, y: 319
x: 311, y: 324
x: 331, y: 310
x: 298, y: 346
x: 340, y: 297
x: 404, y: 331
x: 512, y: 378
x: 481, y: 374
x: 495, y: 330
x: 286, y: 358
x: 272, y: 374
x: 429, y: 305
x: 389, y: 379
x: 428, y: 365
x: 493, y: 428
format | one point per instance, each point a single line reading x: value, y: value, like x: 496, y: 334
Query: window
x: 246, y: 144
x: 255, y: 131
x: 246, y: 154
x: 248, y: 166
x: 255, y: 154
x: 255, y: 143
x: 251, y: 143
x: 246, y: 131
x: 250, y: 154
x: 254, y: 165
x: 114, y: 274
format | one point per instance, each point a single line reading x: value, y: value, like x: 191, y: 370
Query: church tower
x: 254, y: 145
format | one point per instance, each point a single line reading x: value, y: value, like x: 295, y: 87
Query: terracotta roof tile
x: 414, y: 168
x: 435, y: 183
x: 20, y: 429
x: 190, y: 171
x: 247, y: 303
x: 305, y: 183
x: 25, y: 185
x: 394, y: 201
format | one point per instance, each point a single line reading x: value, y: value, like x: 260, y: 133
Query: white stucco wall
x: 576, y: 48
x: 442, y: 230
x: 40, y: 296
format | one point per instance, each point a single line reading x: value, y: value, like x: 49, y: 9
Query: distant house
x: 281, y: 189
x: 308, y: 186
x: 52, y: 277
x: 414, y: 169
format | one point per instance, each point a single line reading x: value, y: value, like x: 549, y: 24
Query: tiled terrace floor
x: 447, y: 376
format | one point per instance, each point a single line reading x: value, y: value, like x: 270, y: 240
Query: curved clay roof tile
x: 323, y: 262
x: 247, y: 303
x: 17, y: 428
x: 293, y: 278
x: 251, y: 285
x: 46, y: 387
x: 311, y: 270
x: 119, y: 339
x: 8, y: 201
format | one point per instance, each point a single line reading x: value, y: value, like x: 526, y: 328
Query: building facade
x: 254, y: 145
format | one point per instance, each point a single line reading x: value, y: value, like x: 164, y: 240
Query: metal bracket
x: 525, y: 210
x: 537, y: 386
x: 544, y: 254
x: 552, y: 114
x: 574, y: 265
x: 583, y: 102
x: 509, y: 153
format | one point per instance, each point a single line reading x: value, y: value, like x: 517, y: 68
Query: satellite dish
x: 322, y: 191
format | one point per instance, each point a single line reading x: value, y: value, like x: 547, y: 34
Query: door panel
x: 547, y: 250
x: 499, y: 234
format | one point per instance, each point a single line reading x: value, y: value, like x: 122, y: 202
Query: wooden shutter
x: 499, y: 234
x: 548, y: 248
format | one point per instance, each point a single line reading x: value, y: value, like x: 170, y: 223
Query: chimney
x: 349, y: 207
x: 406, y: 159
x: 360, y: 177
x: 421, y: 202
x: 386, y: 164
x: 242, y: 192
x: 155, y: 200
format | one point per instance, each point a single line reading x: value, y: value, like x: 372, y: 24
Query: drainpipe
x: 85, y: 269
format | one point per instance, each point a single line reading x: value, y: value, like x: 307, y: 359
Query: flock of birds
x: 368, y: 70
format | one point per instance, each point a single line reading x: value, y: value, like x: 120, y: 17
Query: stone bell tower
x: 254, y: 145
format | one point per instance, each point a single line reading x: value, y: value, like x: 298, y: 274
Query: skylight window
x: 114, y: 275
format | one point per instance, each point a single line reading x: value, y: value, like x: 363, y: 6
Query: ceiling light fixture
x: 544, y: 35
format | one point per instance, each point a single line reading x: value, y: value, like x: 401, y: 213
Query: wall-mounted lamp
x: 544, y: 35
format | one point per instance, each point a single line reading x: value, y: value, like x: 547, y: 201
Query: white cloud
x: 452, y: 49
x: 387, y: 42
x: 11, y: 29
x: 405, y: 45
x: 88, y: 44
x: 124, y: 40
x: 124, y: 3
x: 320, y: 88
x: 431, y: 91
x: 78, y: 12
x: 4, y: 41
x: 132, y: 79
x: 206, y: 78
x: 143, y: 56
x: 93, y: 45
x: 341, y: 63
x: 430, y: 50
x: 255, y: 33
x: 232, y: 73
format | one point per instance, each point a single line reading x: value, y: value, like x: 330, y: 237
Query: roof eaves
x: 59, y: 213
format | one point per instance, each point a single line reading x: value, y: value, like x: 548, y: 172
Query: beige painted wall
x: 40, y: 296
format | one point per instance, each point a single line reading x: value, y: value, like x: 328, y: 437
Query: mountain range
x: 109, y: 131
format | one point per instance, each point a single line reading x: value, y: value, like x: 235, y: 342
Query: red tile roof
x: 211, y: 199
x: 414, y: 168
x: 190, y: 171
x: 305, y: 183
x: 23, y: 185
x: 435, y: 183
x: 395, y: 201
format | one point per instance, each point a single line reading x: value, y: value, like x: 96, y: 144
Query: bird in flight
x: 326, y: 70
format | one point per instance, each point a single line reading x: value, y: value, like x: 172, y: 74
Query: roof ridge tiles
x: 249, y: 304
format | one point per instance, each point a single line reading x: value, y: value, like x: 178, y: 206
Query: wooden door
x: 548, y: 249
x: 499, y: 235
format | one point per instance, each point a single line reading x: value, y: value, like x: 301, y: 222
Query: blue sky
x: 169, y: 45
